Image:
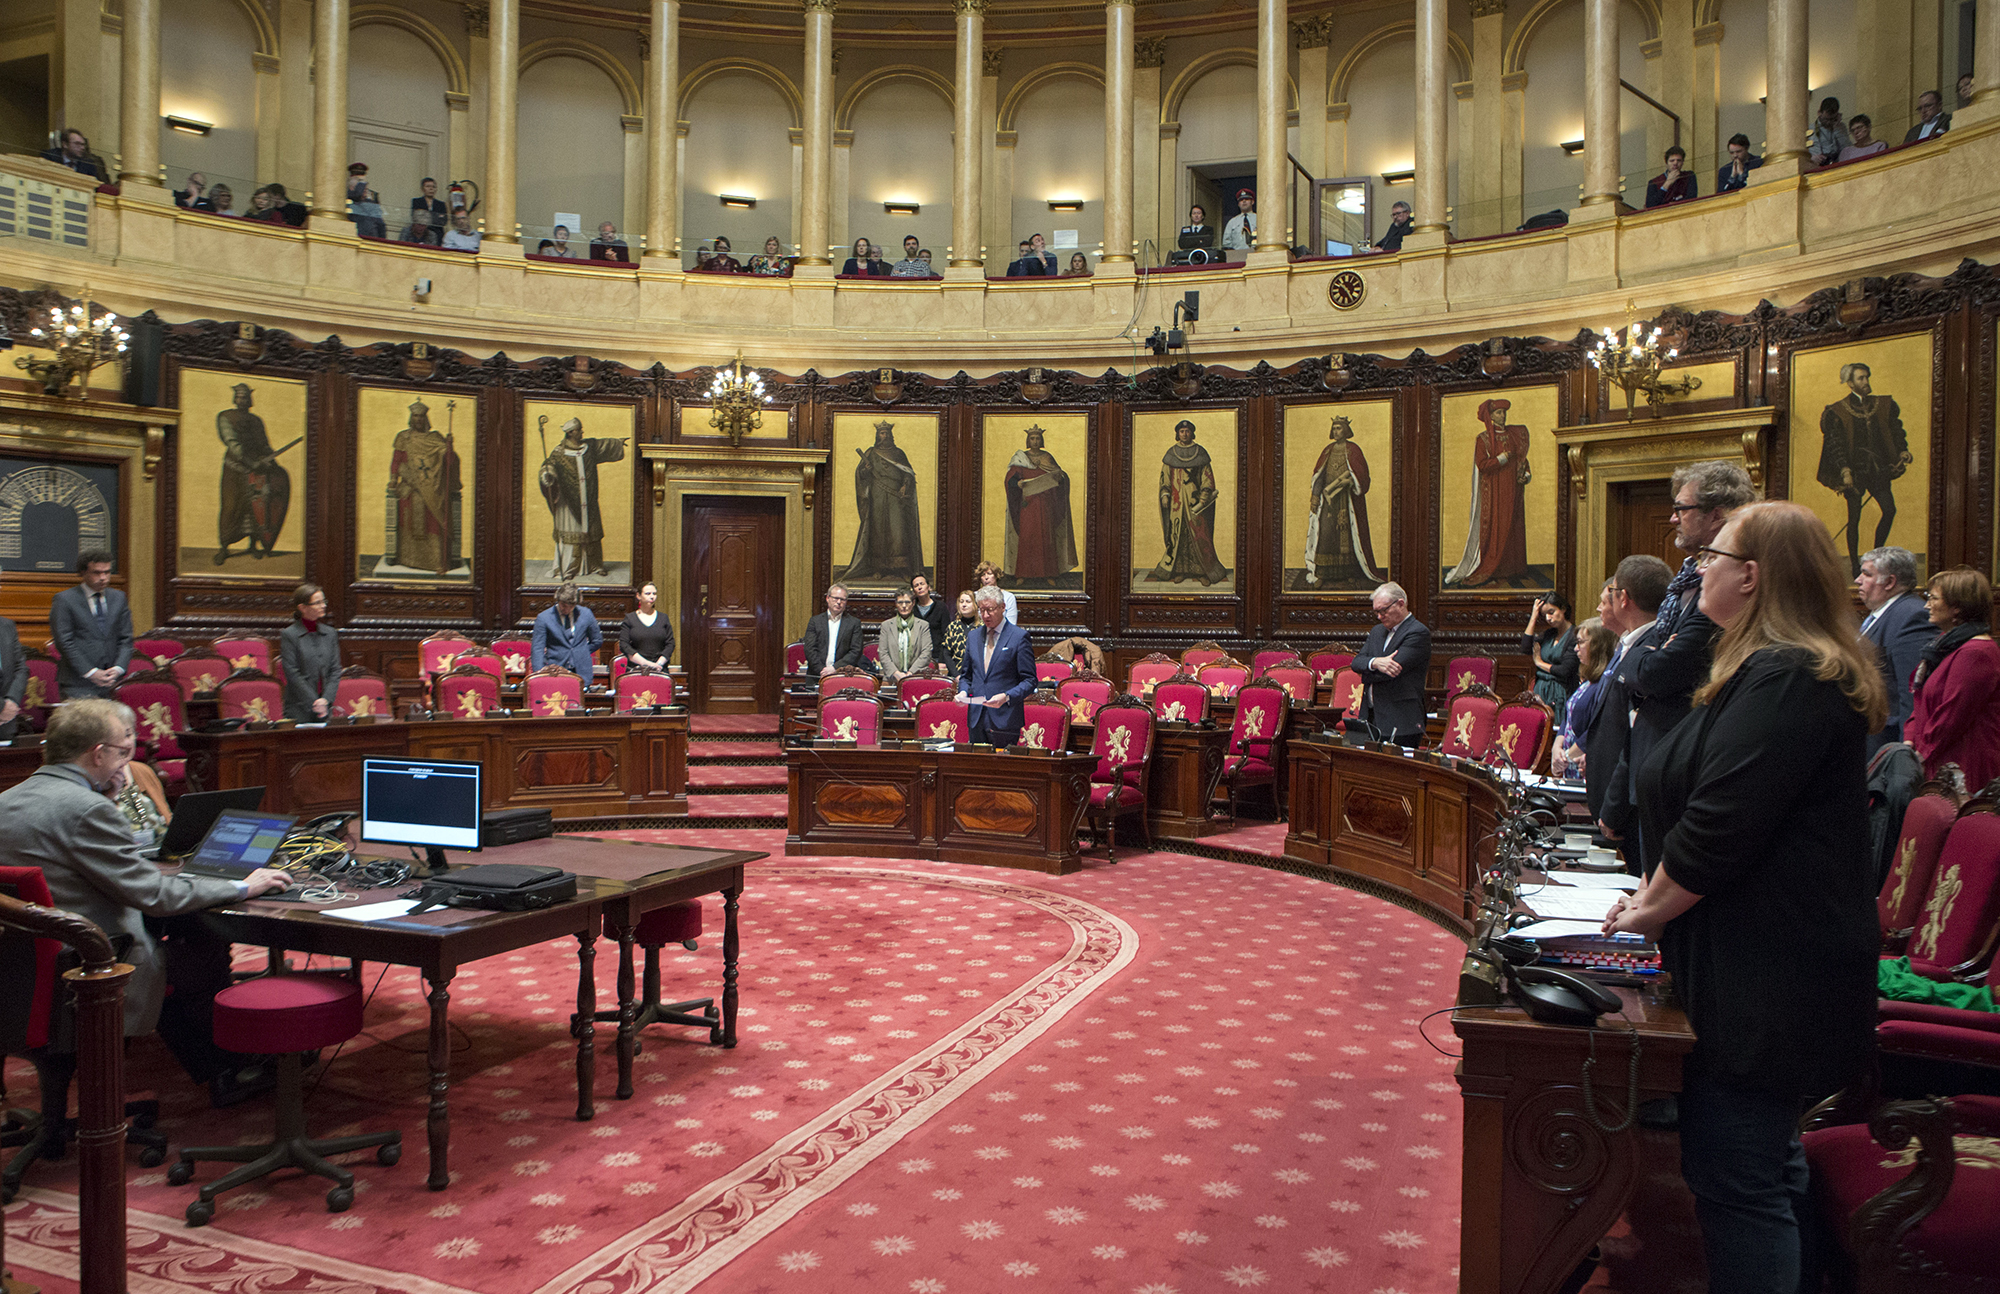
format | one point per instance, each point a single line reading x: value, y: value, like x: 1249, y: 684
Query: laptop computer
x: 195, y: 812
x: 238, y: 844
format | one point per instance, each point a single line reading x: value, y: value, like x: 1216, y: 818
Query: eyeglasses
x: 1679, y: 508
x: 1705, y: 557
x: 126, y: 749
x: 1383, y: 611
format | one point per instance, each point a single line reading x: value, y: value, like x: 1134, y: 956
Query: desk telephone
x: 1549, y: 996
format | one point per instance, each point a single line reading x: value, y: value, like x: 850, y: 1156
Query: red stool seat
x: 674, y: 924
x: 677, y: 923
x: 287, y: 1013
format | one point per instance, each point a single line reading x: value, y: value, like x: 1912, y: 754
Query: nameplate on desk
x: 1033, y: 752
x: 834, y: 742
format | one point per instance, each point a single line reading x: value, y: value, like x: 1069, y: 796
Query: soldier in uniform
x: 1865, y: 448
x: 569, y: 483
x: 256, y: 491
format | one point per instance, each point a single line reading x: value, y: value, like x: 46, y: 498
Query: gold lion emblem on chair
x: 946, y: 730
x: 846, y: 729
x: 1906, y: 862
x: 1253, y: 722
x: 1972, y: 1152
x: 555, y: 703
x: 204, y: 682
x: 158, y: 719
x: 1175, y: 711
x: 243, y: 662
x: 1462, y: 729
x: 1119, y: 743
x: 1937, y: 913
x: 257, y: 710
x: 1354, y: 699
x: 645, y: 699
x: 362, y: 706
x: 1510, y: 736
x: 1466, y: 680
x: 36, y: 696
x: 1080, y: 709
x: 1032, y: 736
x: 515, y: 663
x: 471, y: 705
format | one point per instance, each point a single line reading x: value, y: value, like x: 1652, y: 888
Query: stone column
x: 1707, y: 99
x: 471, y: 164
x: 1600, y: 102
x: 139, y: 108
x: 1312, y: 37
x: 634, y: 211
x: 76, y: 94
x: 1274, y: 173
x: 269, y: 69
x: 967, y: 145
x: 1787, y: 118
x: 1482, y: 167
x: 816, y: 165
x: 1149, y: 56
x: 996, y: 199
x: 663, y: 115
x: 329, y: 174
x: 1985, y: 68
x: 1433, y: 94
x: 295, y: 102
x: 503, y: 117
x: 1118, y: 55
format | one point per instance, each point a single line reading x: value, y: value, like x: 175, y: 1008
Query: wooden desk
x: 960, y: 806
x: 1187, y: 767
x: 597, y: 766
x: 438, y: 951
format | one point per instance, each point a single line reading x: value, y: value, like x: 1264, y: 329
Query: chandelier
x: 80, y: 340
x: 738, y: 397
x: 1634, y: 361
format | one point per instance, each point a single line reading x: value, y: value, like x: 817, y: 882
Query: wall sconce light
x: 1065, y: 204
x: 189, y: 126
x: 1398, y: 177
x: 738, y: 200
x: 1572, y: 146
x: 900, y: 208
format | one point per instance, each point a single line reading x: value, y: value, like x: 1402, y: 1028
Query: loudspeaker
x: 142, y: 361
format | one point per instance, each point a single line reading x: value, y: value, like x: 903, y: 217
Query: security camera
x: 423, y: 288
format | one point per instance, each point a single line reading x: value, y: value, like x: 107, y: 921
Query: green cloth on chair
x: 1896, y: 980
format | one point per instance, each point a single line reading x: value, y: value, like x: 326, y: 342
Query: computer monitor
x: 1339, y: 249
x: 434, y: 803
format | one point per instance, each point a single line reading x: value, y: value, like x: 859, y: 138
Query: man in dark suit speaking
x: 92, y: 626
x: 1898, y: 626
x: 998, y: 674
x: 833, y: 638
x: 1393, y: 663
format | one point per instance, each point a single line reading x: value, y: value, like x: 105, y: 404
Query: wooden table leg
x: 730, y: 899
x: 438, y: 1125
x: 584, y: 1025
x: 628, y: 1011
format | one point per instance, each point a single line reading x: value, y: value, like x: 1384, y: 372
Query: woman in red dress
x: 1955, y: 718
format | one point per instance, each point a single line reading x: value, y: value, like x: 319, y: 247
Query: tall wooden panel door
x: 732, y: 599
x: 1641, y: 520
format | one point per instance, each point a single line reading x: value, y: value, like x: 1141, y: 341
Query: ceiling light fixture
x: 189, y: 126
x: 1065, y: 204
x: 738, y: 200
x: 900, y: 208
x: 1572, y: 146
x: 1398, y: 177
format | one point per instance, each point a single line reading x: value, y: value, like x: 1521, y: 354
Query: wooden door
x: 1640, y: 519
x: 732, y: 599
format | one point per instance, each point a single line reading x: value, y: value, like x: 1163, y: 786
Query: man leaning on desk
x: 999, y: 671
x: 61, y: 819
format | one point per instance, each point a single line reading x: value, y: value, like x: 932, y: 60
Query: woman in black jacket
x: 310, y: 652
x: 644, y: 637
x: 1762, y: 901
x: 1550, y: 641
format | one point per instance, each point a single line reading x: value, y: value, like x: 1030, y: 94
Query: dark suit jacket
x: 1608, y: 798
x: 1900, y: 633
x: 89, y: 164
x: 1660, y: 674
x: 312, y: 668
x: 1012, y: 672
x: 1658, y: 195
x: 1727, y: 183
x: 82, y: 646
x: 1909, y: 137
x: 1396, y: 705
x: 1032, y: 266
x: 573, y: 648
x: 845, y: 652
x: 13, y: 674
x: 940, y: 614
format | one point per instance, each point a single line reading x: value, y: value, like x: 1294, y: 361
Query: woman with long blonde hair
x: 1762, y: 901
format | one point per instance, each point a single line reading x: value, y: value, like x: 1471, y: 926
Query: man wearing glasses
x: 1661, y: 671
x: 1392, y: 664
x: 61, y: 819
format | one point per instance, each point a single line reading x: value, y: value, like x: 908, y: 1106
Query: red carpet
x: 707, y: 750
x: 737, y: 805
x: 1168, y: 1076
x: 702, y: 724
x: 711, y: 775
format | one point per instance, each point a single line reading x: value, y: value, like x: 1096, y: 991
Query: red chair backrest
x: 1295, y: 679
x: 42, y: 692
x: 1053, y: 671
x: 554, y: 691
x: 843, y: 678
x: 1325, y: 664
x: 245, y: 653
x: 1149, y: 673
x: 1084, y: 694
x: 795, y: 657
x: 159, y: 650
x: 1203, y: 654
x: 360, y: 695
x: 871, y: 652
x: 852, y: 715
x: 1470, y: 728
x: 1044, y: 722
x: 638, y: 688
x: 944, y: 719
x: 1124, y: 737
x: 1466, y: 670
x: 1181, y: 699
x: 514, y: 653
x: 481, y: 658
x: 156, y: 699
x: 30, y: 886
x: 913, y: 689
x: 467, y: 693
x: 1223, y: 677
x: 1919, y: 844
x: 1962, y: 911
x: 1260, y: 717
x: 618, y: 667
x: 198, y: 672
x: 1522, y: 733
x: 435, y: 652
x: 1348, y: 689
x: 1276, y: 653
x: 250, y: 694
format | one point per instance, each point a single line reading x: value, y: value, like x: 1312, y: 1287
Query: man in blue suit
x: 568, y: 635
x: 1898, y: 626
x: 998, y: 674
x: 92, y: 625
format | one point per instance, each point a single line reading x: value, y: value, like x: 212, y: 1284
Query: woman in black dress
x: 952, y: 654
x: 1763, y: 900
x: 644, y: 637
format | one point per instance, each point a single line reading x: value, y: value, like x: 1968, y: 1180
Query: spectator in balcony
x: 190, y: 196
x: 721, y: 261
x: 431, y: 205
x: 1034, y: 261
x: 912, y: 265
x: 1736, y: 172
x: 1038, y: 249
x: 559, y: 245
x: 772, y: 261
x: 74, y: 152
x: 862, y: 263
x: 1865, y: 144
x: 1964, y: 89
x: 1241, y: 229
x: 608, y: 246
x: 1675, y: 184
x: 1932, y: 119
x: 462, y: 237
x: 1203, y: 233
x: 364, y: 204
x: 878, y: 264
x: 546, y: 247
x: 1079, y: 266
x: 222, y: 200
x: 1401, y: 221
x: 421, y: 230
x: 925, y: 257
x: 1019, y: 267
x: 273, y: 205
x: 1829, y: 135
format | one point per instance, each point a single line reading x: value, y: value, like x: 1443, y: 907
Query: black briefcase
x: 498, y: 887
x: 512, y: 826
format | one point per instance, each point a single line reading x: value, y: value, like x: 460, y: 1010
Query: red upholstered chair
x: 250, y: 694
x: 1524, y: 728
x: 618, y: 667
x: 942, y: 719
x: 553, y: 691
x: 1900, y: 905
x: 932, y: 679
x: 847, y: 677
x: 1961, y: 918
x: 42, y: 690
x: 677, y: 923
x: 481, y: 658
x: 155, y: 699
x: 1270, y: 654
x: 199, y: 671
x: 1295, y: 677
x: 435, y: 653
x: 514, y: 653
x: 1348, y: 689
x: 872, y: 653
x: 158, y: 650
x: 1328, y: 661
x: 1044, y: 721
x: 1149, y: 672
x: 466, y: 693
x: 1472, y: 724
x: 1261, y: 707
x: 1202, y: 654
x: 283, y: 1016
x: 795, y: 658
x: 1123, y: 745
x: 245, y: 653
x: 1181, y: 699
x: 852, y: 715
x: 1465, y: 671
x: 1053, y: 667
x: 1085, y: 692
x: 360, y: 693
x: 640, y: 688
x: 1223, y: 677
